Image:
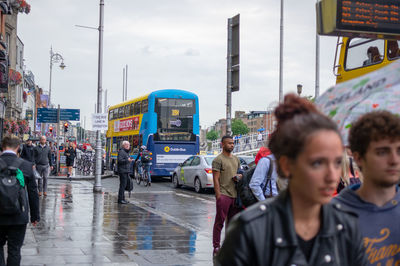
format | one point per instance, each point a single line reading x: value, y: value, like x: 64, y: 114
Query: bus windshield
x: 174, y: 119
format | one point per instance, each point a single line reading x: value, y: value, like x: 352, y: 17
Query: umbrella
x: 261, y: 129
x: 346, y: 102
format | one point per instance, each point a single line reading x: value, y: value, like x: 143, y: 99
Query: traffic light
x: 65, y: 127
x: 51, y: 129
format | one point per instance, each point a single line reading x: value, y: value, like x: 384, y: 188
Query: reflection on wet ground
x: 80, y: 227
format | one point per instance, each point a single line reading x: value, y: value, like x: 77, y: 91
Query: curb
x: 80, y: 178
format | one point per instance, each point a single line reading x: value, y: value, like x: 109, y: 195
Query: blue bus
x: 165, y: 121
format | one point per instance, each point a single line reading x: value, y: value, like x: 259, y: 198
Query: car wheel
x: 175, y: 181
x: 197, y: 185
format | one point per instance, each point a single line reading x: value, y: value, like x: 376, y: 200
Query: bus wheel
x: 175, y: 181
x: 197, y: 185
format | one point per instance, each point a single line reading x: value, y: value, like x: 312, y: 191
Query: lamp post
x: 299, y: 89
x: 54, y: 58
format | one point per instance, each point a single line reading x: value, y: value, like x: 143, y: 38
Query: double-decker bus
x: 359, y: 56
x: 165, y: 121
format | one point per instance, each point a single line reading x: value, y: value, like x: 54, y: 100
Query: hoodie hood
x: 349, y: 197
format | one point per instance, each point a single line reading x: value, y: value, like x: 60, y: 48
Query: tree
x: 239, y: 128
x: 212, y: 135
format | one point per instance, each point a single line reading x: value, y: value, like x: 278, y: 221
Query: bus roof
x: 167, y: 93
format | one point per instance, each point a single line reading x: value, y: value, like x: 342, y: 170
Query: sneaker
x: 215, y: 252
x: 45, y: 194
x: 40, y: 194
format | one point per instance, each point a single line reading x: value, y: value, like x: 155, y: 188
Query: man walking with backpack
x: 224, y: 169
x: 17, y: 187
x: 43, y: 163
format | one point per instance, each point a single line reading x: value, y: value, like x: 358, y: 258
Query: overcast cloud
x: 174, y: 44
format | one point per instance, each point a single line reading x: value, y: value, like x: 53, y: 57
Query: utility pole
x: 317, y: 49
x: 97, y: 185
x: 281, y: 58
x: 123, y: 85
x: 126, y: 82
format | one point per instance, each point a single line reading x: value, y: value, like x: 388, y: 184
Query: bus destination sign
x: 359, y: 18
x: 369, y: 15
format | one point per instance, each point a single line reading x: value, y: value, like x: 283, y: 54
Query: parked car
x: 196, y: 171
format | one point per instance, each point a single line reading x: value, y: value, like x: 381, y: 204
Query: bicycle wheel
x: 146, y: 178
x: 137, y: 176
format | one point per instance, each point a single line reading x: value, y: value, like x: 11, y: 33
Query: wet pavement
x: 160, y: 226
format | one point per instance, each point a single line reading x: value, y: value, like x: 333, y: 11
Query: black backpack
x: 12, y: 194
x: 244, y: 191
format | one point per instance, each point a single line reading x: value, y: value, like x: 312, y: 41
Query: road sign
x: 354, y: 18
x: 99, y: 122
x: 70, y: 114
x: 47, y: 115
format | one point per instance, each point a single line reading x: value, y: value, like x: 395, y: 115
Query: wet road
x: 160, y: 226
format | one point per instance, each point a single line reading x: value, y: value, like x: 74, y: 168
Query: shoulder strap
x: 3, y: 164
x: 268, y: 176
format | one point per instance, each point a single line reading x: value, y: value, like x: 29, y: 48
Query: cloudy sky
x: 174, y: 44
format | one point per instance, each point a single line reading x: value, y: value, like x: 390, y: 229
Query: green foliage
x: 239, y: 128
x: 212, y: 135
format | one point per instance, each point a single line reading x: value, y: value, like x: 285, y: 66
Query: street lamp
x: 299, y: 89
x: 54, y: 58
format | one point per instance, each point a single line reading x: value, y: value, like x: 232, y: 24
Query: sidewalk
x: 79, y: 227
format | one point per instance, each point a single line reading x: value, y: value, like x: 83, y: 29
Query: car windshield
x: 209, y: 159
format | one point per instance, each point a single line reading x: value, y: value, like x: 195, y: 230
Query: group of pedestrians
x: 305, y: 224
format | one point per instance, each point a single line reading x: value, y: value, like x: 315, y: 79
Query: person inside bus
x: 374, y: 56
x: 393, y: 49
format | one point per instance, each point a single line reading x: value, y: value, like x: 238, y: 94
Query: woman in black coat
x: 70, y: 153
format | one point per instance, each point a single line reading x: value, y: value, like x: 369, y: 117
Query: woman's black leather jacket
x: 264, y: 234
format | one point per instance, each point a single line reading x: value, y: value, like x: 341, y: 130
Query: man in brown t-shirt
x: 224, y: 168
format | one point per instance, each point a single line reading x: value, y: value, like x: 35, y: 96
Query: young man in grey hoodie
x: 375, y: 143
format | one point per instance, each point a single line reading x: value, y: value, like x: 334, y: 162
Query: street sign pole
x: 57, y: 139
x: 232, y: 67
x: 97, y: 185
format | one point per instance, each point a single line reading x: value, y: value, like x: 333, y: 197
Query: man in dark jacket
x: 43, y: 162
x: 13, y: 227
x: 28, y: 151
x: 124, y: 161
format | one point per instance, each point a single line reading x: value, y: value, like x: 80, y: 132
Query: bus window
x: 131, y: 109
x: 127, y: 107
x: 121, y: 112
x: 110, y: 115
x: 136, y: 108
x: 364, y: 52
x: 174, y: 119
x: 393, y: 51
x: 145, y: 106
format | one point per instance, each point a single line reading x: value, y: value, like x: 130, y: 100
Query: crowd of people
x: 328, y: 204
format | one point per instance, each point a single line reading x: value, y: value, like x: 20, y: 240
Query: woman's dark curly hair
x: 298, y: 119
x: 373, y: 126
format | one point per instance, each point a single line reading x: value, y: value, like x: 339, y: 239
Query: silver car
x: 194, y: 172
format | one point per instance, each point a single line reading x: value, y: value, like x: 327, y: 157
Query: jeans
x: 43, y: 171
x: 14, y: 236
x: 123, y: 179
x: 226, y: 209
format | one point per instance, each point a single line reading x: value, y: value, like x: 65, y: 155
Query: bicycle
x: 142, y: 173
